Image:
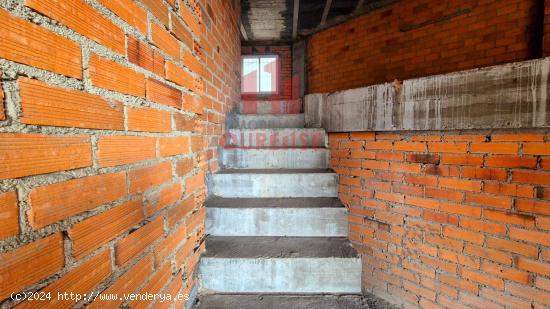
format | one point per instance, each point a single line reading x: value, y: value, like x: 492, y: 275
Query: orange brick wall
x: 285, y: 70
x: 449, y: 219
x: 425, y: 37
x: 111, y: 112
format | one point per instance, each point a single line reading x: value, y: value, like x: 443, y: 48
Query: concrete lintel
x: 513, y: 95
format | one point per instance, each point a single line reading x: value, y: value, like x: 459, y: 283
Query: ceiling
x: 287, y: 20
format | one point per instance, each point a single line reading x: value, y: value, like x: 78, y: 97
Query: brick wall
x: 285, y: 70
x: 110, y: 116
x: 419, y: 38
x: 454, y: 219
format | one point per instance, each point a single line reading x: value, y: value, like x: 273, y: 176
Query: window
x: 259, y: 74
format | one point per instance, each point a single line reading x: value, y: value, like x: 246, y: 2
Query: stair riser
x: 298, y: 222
x: 275, y: 158
x: 275, y: 185
x: 281, y: 138
x: 271, y: 107
x: 280, y: 275
x: 269, y: 121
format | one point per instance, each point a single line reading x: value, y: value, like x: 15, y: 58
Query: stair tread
x: 278, y: 247
x: 276, y: 171
x: 321, y: 301
x: 300, y: 202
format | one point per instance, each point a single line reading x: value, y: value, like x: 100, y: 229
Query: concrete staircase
x: 274, y: 223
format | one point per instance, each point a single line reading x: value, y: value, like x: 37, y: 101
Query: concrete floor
x: 220, y: 301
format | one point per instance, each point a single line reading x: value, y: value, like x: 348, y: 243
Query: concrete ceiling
x: 286, y: 20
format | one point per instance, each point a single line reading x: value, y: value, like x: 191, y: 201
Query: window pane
x: 250, y: 78
x: 268, y: 74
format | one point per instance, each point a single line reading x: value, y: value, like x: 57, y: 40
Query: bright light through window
x: 259, y: 74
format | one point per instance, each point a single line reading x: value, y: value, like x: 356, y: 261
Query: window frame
x: 277, y: 73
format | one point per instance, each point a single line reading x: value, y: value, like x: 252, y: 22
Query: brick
x: 179, y: 76
x: 536, y: 237
x: 81, y: 280
x: 136, y: 242
x: 163, y: 94
x: 37, y: 260
x: 379, y: 145
x: 504, y: 300
x: 184, y: 166
x: 505, y: 272
x: 483, y: 226
x: 155, y: 284
x: 193, y: 64
x: 494, y: 148
x: 460, y: 184
x: 489, y: 254
x: 142, y: 55
x: 190, y: 20
x: 482, y: 278
x: 171, y: 146
x: 503, y: 202
x: 362, y: 136
x: 531, y: 177
x: 443, y: 194
x: 2, y: 109
x: 33, y: 154
x: 169, y: 245
x: 508, y: 189
x: 509, y: 218
x: 511, y: 162
x: 125, y: 284
x: 536, y: 149
x: 62, y: 200
x: 84, y: 19
x: 165, y: 41
x: 528, y: 293
x: 197, y: 143
x: 193, y: 103
x: 542, y: 283
x: 374, y: 164
x: 128, y: 11
x: 180, y: 31
x: 104, y: 227
x: 533, y: 206
x: 166, y: 197
x: 186, y: 123
x: 459, y: 258
x: 192, y: 183
x: 37, y: 47
x: 152, y: 176
x: 484, y: 173
x: 119, y: 150
x: 113, y: 76
x: 421, y: 180
x: 181, y: 210
x: 439, y: 264
x: 518, y: 138
x: 512, y: 246
x: 422, y: 202
x: 447, y: 147
x: 149, y: 120
x: 418, y: 290
x: 410, y: 146
x: 53, y: 106
x: 426, y: 158
x: 458, y: 233
x: 158, y: 9
x: 9, y: 215
x: 475, y: 160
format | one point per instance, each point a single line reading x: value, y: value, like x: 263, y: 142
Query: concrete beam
x: 296, y: 13
x: 514, y: 95
x: 325, y: 12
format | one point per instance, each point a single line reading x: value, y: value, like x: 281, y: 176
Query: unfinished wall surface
x: 418, y: 38
x: 110, y: 116
x: 449, y: 219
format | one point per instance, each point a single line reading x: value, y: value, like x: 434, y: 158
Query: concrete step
x: 300, y: 217
x: 276, y: 138
x: 274, y: 183
x: 280, y: 265
x: 269, y: 121
x: 270, y: 106
x: 320, y: 301
x: 250, y: 158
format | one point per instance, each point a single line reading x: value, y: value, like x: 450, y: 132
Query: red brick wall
x: 106, y: 135
x: 285, y: 70
x: 419, y: 38
x: 455, y: 220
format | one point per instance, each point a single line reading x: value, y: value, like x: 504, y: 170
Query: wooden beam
x: 243, y: 32
x: 325, y: 12
x: 296, y: 13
